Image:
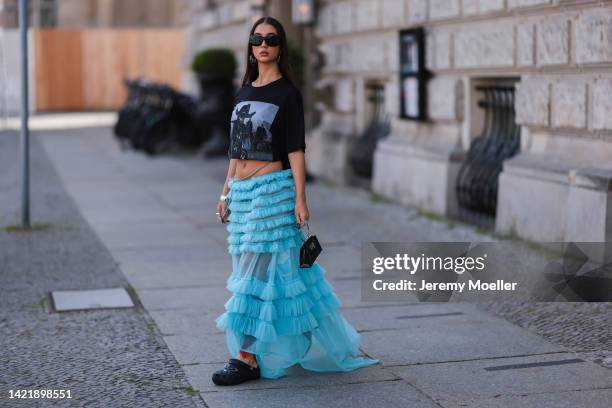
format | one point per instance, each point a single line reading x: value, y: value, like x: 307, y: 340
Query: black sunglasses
x: 272, y: 40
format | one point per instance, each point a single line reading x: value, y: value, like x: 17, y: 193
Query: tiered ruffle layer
x: 262, y: 218
x: 278, y: 311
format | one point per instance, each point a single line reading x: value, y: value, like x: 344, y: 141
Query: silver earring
x: 251, y: 59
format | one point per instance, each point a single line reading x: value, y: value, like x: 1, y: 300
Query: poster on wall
x: 413, y: 75
x: 411, y: 96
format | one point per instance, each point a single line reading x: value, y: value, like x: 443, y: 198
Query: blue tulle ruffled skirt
x: 282, y: 313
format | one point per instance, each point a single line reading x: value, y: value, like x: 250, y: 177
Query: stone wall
x: 227, y: 24
x: 224, y: 25
x: 558, y: 51
x: 541, y: 40
x: 76, y: 13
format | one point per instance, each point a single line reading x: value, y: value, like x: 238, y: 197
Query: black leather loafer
x: 235, y: 372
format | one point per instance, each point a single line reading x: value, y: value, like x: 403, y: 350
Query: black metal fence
x: 361, y: 153
x: 477, y: 181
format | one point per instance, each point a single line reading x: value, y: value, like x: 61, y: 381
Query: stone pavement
x: 156, y: 218
x: 106, y: 358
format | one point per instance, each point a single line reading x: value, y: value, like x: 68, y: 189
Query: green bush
x: 214, y: 61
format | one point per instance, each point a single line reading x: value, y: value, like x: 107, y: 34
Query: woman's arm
x: 230, y: 173
x: 221, y: 204
x: 298, y: 169
x: 295, y: 138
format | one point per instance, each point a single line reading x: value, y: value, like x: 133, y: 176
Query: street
x: 115, y: 218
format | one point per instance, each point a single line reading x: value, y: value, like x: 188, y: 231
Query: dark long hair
x: 252, y: 70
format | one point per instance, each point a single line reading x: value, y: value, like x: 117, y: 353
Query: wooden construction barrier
x: 84, y: 69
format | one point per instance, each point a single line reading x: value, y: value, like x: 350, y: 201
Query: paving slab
x: 570, y: 399
x: 112, y: 194
x: 151, y: 275
x: 188, y: 194
x: 462, y: 382
x: 174, y: 280
x: 82, y: 169
x: 109, y: 215
x: 146, y: 262
x: 432, y: 342
x: 199, y: 376
x: 189, y: 349
x: 84, y: 188
x: 149, y: 234
x: 359, y: 395
x: 125, y: 201
x: 65, y: 300
x: 168, y: 254
x: 192, y: 322
x: 160, y: 170
x: 408, y: 316
x: 184, y: 298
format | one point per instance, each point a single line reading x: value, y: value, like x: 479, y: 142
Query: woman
x: 279, y: 314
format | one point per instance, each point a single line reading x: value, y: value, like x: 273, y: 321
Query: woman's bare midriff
x: 245, y: 167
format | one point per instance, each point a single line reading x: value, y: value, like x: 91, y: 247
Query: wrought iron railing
x: 477, y: 180
x: 361, y: 154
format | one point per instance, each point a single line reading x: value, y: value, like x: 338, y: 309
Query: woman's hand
x: 301, y: 212
x: 221, y: 209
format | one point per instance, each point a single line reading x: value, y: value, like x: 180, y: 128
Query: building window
x: 48, y: 13
x: 413, y: 75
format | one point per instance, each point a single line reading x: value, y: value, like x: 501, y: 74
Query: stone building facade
x: 557, y: 55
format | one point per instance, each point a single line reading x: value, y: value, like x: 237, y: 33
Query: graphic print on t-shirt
x: 250, y: 134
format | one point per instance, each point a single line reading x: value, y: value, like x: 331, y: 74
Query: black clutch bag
x: 311, y: 248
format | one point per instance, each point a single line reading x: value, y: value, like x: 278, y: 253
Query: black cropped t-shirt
x: 267, y: 122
